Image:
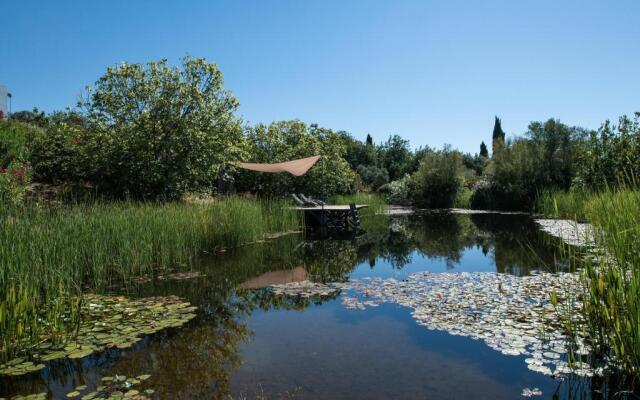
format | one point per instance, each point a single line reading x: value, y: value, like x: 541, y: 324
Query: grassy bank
x: 612, y: 281
x: 49, y: 256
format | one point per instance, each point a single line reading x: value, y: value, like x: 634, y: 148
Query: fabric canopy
x: 294, y: 167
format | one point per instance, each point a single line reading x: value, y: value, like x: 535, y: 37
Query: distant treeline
x: 155, y: 132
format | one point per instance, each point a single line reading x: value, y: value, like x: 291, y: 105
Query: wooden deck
x: 334, y: 216
x: 331, y: 208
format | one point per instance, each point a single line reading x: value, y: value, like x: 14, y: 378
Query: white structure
x: 4, y: 100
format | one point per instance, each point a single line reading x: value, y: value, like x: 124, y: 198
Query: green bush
x: 437, y: 181
x: 15, y: 174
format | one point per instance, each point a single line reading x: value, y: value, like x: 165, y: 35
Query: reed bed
x: 50, y: 256
x: 560, y: 204
x: 611, y: 279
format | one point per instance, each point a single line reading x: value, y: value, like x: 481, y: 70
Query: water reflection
x: 246, y: 340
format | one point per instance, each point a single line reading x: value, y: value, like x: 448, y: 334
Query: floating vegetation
x: 107, y: 322
x: 571, y: 232
x: 177, y: 276
x: 512, y: 315
x: 306, y: 289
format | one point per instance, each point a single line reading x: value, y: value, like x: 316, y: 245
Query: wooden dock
x: 335, y: 216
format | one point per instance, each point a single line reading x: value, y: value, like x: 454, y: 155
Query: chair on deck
x: 302, y: 202
x: 310, y: 200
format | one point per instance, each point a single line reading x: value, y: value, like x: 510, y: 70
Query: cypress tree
x: 369, y: 140
x: 483, y: 150
x: 498, y: 135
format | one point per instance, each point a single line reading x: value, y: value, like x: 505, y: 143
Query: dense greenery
x: 288, y: 140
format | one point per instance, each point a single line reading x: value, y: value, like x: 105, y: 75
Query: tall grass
x: 611, y: 301
x: 561, y: 204
x: 49, y: 256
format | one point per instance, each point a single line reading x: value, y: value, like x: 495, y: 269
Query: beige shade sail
x: 294, y: 167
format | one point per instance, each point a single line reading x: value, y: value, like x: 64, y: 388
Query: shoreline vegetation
x: 51, y: 256
x: 611, y: 277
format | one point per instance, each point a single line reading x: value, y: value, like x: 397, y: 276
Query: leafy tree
x: 611, y: 156
x: 396, y: 157
x: 483, y: 150
x: 369, y: 140
x: 287, y: 140
x: 161, y: 130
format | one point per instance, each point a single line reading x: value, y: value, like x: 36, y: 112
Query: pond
x: 250, y: 339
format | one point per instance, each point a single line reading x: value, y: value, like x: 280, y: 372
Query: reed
x: 611, y: 298
x: 50, y: 256
x: 563, y: 204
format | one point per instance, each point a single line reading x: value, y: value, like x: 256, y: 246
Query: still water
x: 247, y: 342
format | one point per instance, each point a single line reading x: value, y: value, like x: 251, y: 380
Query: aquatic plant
x: 611, y: 275
x: 50, y: 256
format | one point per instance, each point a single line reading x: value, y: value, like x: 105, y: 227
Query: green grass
x: 612, y: 281
x: 50, y: 256
x: 376, y: 202
x: 560, y: 204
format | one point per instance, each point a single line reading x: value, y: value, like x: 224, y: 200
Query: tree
x: 287, y: 140
x: 396, y: 157
x: 369, y: 140
x: 498, y: 135
x: 483, y: 150
x: 161, y: 130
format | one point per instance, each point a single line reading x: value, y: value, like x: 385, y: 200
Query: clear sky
x: 434, y: 72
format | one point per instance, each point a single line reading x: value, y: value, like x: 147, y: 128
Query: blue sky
x: 434, y: 72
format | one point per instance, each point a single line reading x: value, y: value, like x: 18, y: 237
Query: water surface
x: 248, y: 343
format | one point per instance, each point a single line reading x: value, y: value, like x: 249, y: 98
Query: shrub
x: 436, y: 182
x: 373, y: 176
x: 398, y: 192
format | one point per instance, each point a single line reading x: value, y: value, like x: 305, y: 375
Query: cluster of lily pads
x: 117, y: 387
x: 570, y: 232
x: 176, y: 276
x: 513, y: 315
x: 107, y: 322
x: 306, y: 288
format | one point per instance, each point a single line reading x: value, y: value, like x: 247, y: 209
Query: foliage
x: 611, y: 156
x: 544, y: 159
x: 398, y: 191
x: 15, y: 172
x: 373, y: 176
x: 395, y: 155
x: 288, y: 140
x: 436, y: 182
x: 159, y: 131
